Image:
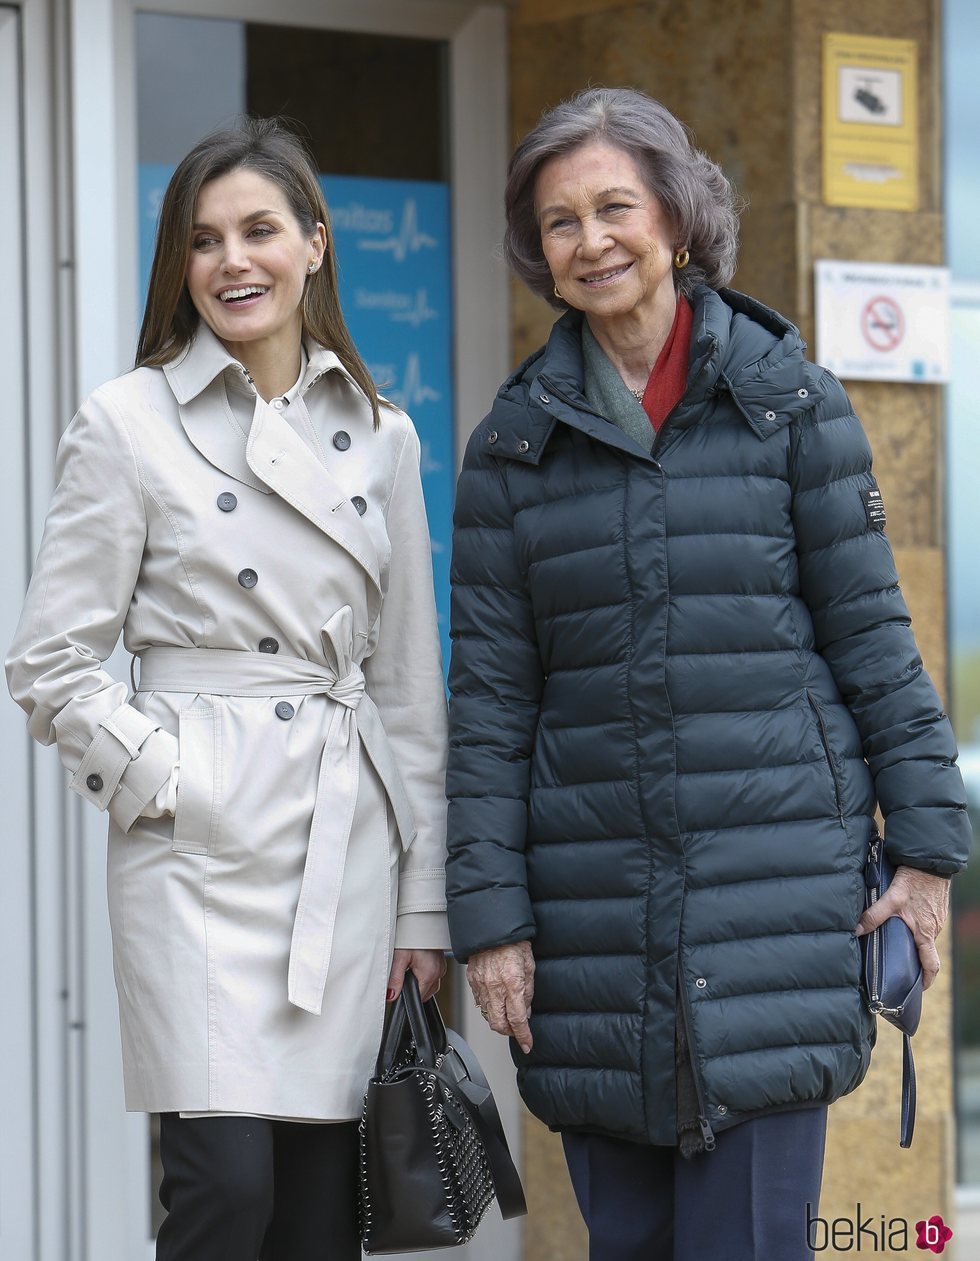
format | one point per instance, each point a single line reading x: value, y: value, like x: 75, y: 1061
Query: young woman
x: 248, y: 514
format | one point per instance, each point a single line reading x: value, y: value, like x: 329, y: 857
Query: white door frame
x: 84, y: 1180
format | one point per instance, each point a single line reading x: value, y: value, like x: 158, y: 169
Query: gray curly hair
x: 694, y: 192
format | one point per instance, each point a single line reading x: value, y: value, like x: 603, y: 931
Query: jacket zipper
x: 706, y: 1131
x: 707, y: 1134
x: 825, y: 741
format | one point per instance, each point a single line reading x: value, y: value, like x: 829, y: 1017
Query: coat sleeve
x: 77, y: 602
x: 863, y: 630
x: 405, y: 679
x: 495, y: 684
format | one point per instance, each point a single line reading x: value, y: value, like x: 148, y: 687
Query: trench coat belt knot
x: 211, y: 673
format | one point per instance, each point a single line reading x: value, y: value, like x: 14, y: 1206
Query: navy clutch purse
x: 892, y: 977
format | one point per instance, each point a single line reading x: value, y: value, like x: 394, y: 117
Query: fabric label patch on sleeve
x: 874, y: 507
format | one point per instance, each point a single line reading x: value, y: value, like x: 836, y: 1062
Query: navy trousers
x: 245, y: 1189
x: 744, y: 1201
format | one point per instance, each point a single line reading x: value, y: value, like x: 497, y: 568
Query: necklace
x: 637, y: 394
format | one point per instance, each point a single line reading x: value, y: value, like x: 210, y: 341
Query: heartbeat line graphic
x: 419, y: 313
x: 412, y: 391
x: 427, y: 464
x: 409, y: 239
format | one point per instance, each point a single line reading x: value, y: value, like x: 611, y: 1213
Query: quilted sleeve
x: 848, y: 580
x: 495, y: 683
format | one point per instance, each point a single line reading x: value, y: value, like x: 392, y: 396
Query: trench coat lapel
x: 279, y: 457
x: 217, y: 437
x: 274, y: 458
x: 195, y: 378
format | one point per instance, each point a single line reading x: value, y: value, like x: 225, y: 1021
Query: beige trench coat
x: 253, y: 933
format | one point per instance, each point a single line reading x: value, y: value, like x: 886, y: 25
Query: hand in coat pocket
x: 165, y: 801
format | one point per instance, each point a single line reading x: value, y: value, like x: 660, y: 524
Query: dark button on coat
x: 681, y: 682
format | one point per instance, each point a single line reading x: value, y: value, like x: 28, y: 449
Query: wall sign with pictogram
x: 883, y: 321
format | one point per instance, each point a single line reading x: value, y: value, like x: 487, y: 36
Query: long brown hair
x: 264, y: 145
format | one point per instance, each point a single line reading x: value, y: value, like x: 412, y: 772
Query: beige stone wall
x: 746, y: 78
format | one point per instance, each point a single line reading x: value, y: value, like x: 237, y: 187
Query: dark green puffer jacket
x: 680, y: 682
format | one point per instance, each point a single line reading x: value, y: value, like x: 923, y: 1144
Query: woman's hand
x: 429, y: 967
x: 502, y: 981
x: 922, y: 901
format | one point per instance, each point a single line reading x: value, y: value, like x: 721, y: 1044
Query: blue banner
x: 394, y: 256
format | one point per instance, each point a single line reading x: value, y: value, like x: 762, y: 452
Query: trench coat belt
x: 354, y: 723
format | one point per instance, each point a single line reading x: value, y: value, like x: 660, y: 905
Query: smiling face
x: 605, y: 236
x: 248, y: 264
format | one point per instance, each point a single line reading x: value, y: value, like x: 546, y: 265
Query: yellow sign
x: 870, y: 122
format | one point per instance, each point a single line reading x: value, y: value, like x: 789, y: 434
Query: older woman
x: 249, y: 516
x: 682, y: 679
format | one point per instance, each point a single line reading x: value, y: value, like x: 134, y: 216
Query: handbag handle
x: 412, y: 1021
x: 426, y: 1022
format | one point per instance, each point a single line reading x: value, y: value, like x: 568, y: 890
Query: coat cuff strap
x: 121, y: 745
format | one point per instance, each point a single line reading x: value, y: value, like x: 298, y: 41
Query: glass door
x: 374, y: 110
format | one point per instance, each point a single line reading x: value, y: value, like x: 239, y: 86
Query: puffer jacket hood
x: 681, y: 679
x: 738, y: 346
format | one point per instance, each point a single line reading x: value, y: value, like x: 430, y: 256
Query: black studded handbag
x: 433, y: 1151
x: 892, y: 977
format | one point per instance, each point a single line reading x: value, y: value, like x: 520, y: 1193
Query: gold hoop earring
x: 681, y: 259
x: 558, y: 294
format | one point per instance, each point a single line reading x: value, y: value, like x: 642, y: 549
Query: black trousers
x: 745, y: 1201
x: 244, y: 1189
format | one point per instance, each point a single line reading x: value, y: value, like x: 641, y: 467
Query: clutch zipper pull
x: 872, y: 879
x: 872, y: 870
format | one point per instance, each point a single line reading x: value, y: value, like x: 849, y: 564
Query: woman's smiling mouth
x: 243, y: 293
x: 598, y: 278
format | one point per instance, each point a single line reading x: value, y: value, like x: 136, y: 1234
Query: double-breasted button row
x: 341, y: 441
x: 227, y: 502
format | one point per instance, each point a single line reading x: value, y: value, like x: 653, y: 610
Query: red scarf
x: 667, y: 382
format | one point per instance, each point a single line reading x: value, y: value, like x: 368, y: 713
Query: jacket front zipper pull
x: 707, y: 1134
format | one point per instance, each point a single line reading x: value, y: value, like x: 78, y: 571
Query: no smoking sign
x: 883, y: 321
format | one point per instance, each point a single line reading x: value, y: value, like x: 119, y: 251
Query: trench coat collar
x: 204, y: 359
x: 272, y: 458
x: 739, y: 347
